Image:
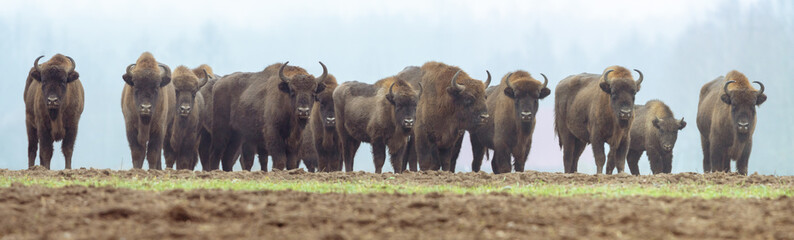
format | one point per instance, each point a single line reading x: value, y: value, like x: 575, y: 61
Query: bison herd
x: 418, y: 115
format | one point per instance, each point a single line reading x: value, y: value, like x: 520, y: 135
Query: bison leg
x: 520, y: 154
x: 667, y: 163
x: 741, y: 163
x: 598, y: 154
x: 477, y: 150
x: 396, y: 157
x: 67, y: 146
x: 704, y: 143
x: 620, y: 155
x: 260, y: 149
x: 426, y: 153
x: 501, y: 159
x: 136, y: 150
x: 350, y: 148
x: 454, y: 153
x: 45, y: 144
x: 33, y: 145
x: 578, y: 149
x: 230, y: 154
x: 409, y: 157
x: 633, y: 160
x: 655, y: 158
x: 249, y: 152
x: 378, y: 154
x: 204, y: 148
x: 719, y: 158
x: 154, y: 151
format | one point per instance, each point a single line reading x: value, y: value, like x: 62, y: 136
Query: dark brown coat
x: 512, y: 105
x: 654, y: 130
x: 382, y: 114
x: 595, y: 109
x: 147, y: 104
x: 726, y: 120
x: 267, y: 110
x: 205, y: 137
x: 54, y: 100
x: 182, y: 147
x: 452, y: 102
x: 320, y: 148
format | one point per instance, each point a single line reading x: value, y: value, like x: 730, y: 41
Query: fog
x: 678, y: 45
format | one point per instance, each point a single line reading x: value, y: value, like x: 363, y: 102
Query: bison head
x: 186, y: 87
x: 469, y: 98
x: 743, y: 102
x: 53, y: 79
x: 668, y: 131
x: 621, y: 90
x: 302, y: 90
x: 525, y: 95
x: 403, y: 99
x: 146, y: 84
x: 325, y: 101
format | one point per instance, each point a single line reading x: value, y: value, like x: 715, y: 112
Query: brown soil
x: 32, y: 212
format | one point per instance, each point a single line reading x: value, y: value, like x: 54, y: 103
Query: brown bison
x: 452, y: 103
x: 726, y: 120
x: 204, y: 71
x: 147, y: 104
x: 654, y: 130
x: 184, y: 138
x: 512, y: 105
x: 320, y: 142
x: 382, y: 114
x: 54, y: 100
x: 266, y: 110
x: 596, y: 109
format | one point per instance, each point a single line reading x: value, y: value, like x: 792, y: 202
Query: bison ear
x: 35, y: 75
x: 320, y: 88
x: 165, y: 80
x: 605, y: 87
x: 128, y: 78
x: 452, y: 91
x: 284, y: 87
x: 726, y: 99
x: 681, y: 124
x: 544, y: 93
x: 510, y: 93
x: 656, y: 123
x: 72, y: 76
x: 761, y: 99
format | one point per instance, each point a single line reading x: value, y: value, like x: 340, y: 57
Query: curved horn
x: 206, y: 75
x: 281, y: 73
x: 639, y: 81
x: 507, y: 80
x: 421, y: 89
x: 606, y: 75
x: 166, y: 69
x: 545, y: 80
x: 455, y: 84
x: 725, y: 88
x: 488, y: 81
x: 36, y: 63
x: 205, y: 79
x: 325, y: 73
x: 130, y: 67
x: 74, y: 65
x: 391, y: 87
x: 762, y: 87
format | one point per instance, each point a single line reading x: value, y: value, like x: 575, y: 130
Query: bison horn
x: 545, y: 80
x: 762, y: 87
x: 281, y: 73
x: 488, y: 81
x: 639, y: 81
x: 507, y: 80
x: 421, y: 89
x: 325, y: 73
x: 74, y: 65
x: 205, y: 79
x: 130, y: 67
x: 391, y: 87
x: 455, y: 84
x: 725, y: 88
x: 36, y: 63
x: 165, y: 68
x: 606, y: 75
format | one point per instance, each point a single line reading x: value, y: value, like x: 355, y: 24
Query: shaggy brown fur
x: 205, y: 137
x: 444, y: 112
x: 183, y: 144
x: 264, y: 111
x: 384, y: 119
x: 726, y: 120
x: 595, y: 109
x: 54, y: 100
x: 147, y: 105
x: 509, y: 130
x: 654, y: 130
x: 199, y: 71
x: 320, y: 148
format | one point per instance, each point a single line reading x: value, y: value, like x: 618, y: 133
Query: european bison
x: 654, y: 130
x: 184, y: 138
x: 382, y: 114
x: 205, y: 136
x: 595, y: 109
x: 726, y: 120
x: 54, y: 101
x: 267, y: 110
x: 147, y: 104
x: 452, y: 102
x: 513, y: 105
x: 320, y: 142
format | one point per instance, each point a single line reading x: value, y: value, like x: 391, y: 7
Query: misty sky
x: 679, y: 46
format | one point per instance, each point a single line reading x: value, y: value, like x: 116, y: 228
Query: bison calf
x: 54, y: 101
x: 182, y: 146
x: 147, y: 104
x: 726, y: 120
x: 654, y: 131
